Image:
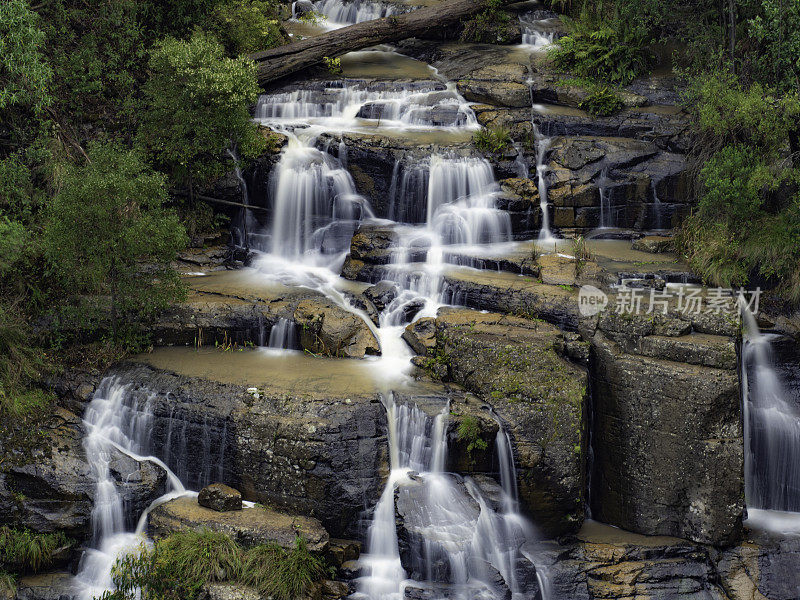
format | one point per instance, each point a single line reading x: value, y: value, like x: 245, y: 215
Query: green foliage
x: 334, y: 65
x: 312, y: 17
x: 282, y: 574
x: 8, y: 584
x: 489, y: 26
x: 178, y: 566
x: 602, y: 102
x: 776, y: 29
x: 246, y: 26
x: 197, y: 104
x: 24, y: 551
x: 20, y: 364
x: 108, y: 233
x: 469, y: 430
x: 24, y: 72
x: 492, y: 139
x: 601, y: 52
x: 581, y: 254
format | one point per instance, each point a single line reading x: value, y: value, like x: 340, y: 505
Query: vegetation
x: 469, y: 431
x: 489, y: 26
x: 580, y: 253
x: 24, y: 551
x: 177, y: 567
x: 602, y: 102
x: 492, y: 139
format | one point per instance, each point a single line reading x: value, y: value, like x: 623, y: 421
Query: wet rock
x: 421, y: 335
x: 328, y: 329
x: 220, y: 497
x: 374, y: 244
x: 249, y: 526
x: 668, y: 449
x: 511, y: 364
x: 341, y: 551
x: 382, y: 294
x: 299, y: 449
x: 50, y: 486
x: 498, y: 85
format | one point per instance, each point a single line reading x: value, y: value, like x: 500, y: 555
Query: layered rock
x: 537, y: 395
x: 667, y: 439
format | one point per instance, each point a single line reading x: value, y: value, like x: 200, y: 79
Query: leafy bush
x: 108, y: 233
x: 602, y: 102
x: 489, y: 26
x: 469, y: 430
x: 20, y: 364
x: 247, y: 26
x: 197, y: 105
x: 492, y: 139
x: 25, y: 551
x: 602, y: 50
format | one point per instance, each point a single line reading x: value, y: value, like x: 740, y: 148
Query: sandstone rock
x: 249, y: 526
x: 48, y: 586
x: 220, y: 497
x: 373, y: 243
x: 328, y: 329
x: 421, y: 335
x: 382, y: 294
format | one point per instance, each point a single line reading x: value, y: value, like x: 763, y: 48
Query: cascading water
x: 283, y: 335
x: 243, y: 225
x: 606, y: 211
x: 343, y: 12
x: 542, y: 147
x: 114, y: 424
x: 537, y: 34
x: 772, y: 427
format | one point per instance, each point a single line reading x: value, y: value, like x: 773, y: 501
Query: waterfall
x: 542, y: 147
x: 772, y: 427
x: 244, y: 214
x: 283, y: 335
x: 342, y: 12
x: 114, y: 423
x: 658, y: 207
x: 536, y: 35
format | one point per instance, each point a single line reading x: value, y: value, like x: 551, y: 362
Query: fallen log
x: 282, y: 61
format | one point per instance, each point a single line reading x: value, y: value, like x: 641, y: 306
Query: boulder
x: 330, y: 330
x: 382, y: 294
x: 48, y: 586
x: 220, y: 497
x: 249, y: 526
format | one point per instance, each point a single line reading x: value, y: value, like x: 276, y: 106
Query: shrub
x: 469, y: 430
x: 599, y: 51
x: 20, y: 364
x: 25, y: 551
x: 492, y: 139
x: 581, y: 254
x: 602, y: 102
x: 248, y: 26
x: 489, y: 26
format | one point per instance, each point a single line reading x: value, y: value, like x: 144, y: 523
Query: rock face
x: 296, y: 449
x: 539, y: 397
x: 220, y: 497
x: 250, y: 526
x: 668, y: 445
x: 603, y: 562
x: 51, y: 487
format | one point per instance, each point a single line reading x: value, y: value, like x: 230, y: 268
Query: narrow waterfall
x: 283, y: 335
x: 243, y: 225
x: 542, y: 147
x: 536, y: 34
x: 606, y: 211
x: 114, y: 424
x: 658, y: 207
x: 772, y: 427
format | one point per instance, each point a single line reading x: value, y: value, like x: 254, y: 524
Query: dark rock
x: 220, y: 497
x: 328, y: 329
x: 382, y: 294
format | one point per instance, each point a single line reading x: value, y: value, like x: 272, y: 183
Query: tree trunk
x: 284, y: 60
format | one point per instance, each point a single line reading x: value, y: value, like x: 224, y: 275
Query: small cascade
x: 114, y: 424
x: 343, y: 12
x: 538, y: 34
x: 342, y: 105
x: 542, y: 147
x: 658, y: 207
x: 520, y: 164
x: 772, y: 427
x: 283, y: 335
x: 243, y: 225
x: 408, y: 193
